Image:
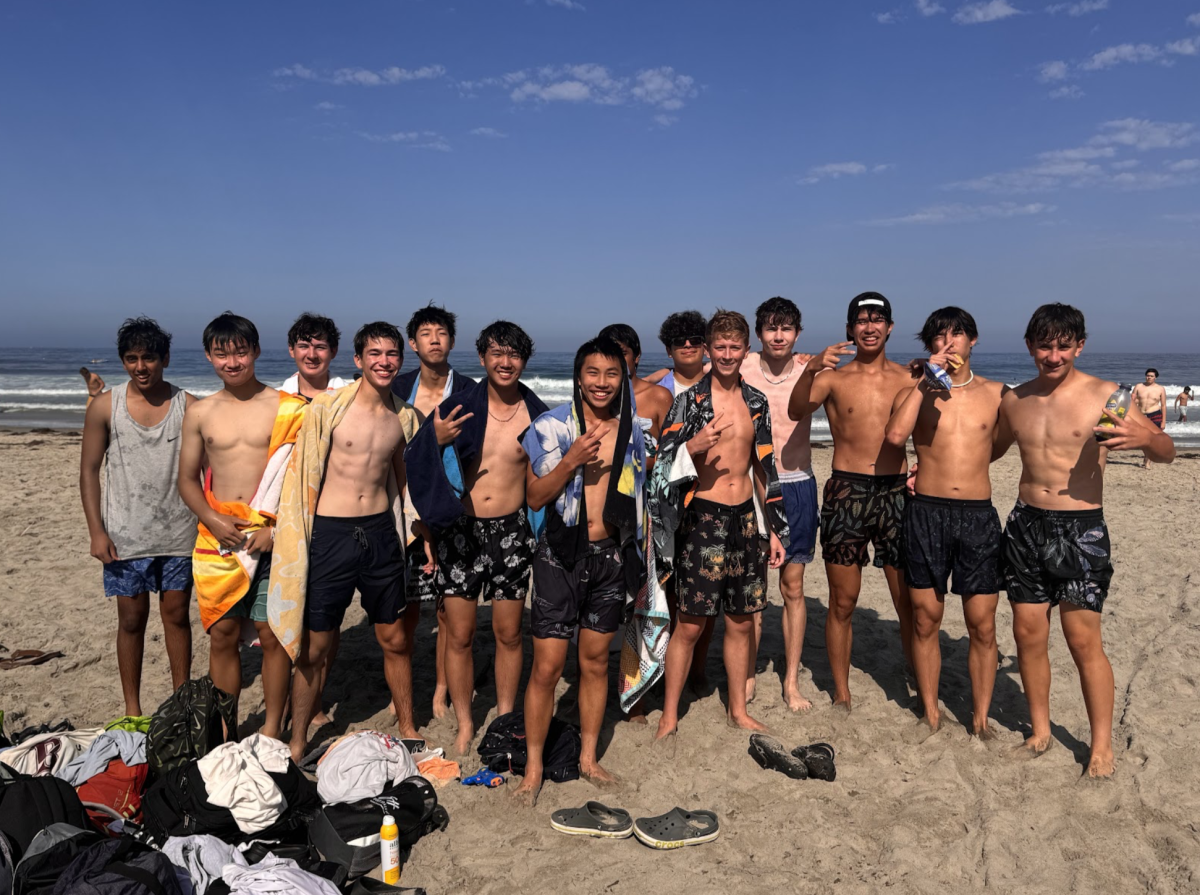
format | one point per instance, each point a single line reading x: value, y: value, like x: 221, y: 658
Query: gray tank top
x: 143, y: 512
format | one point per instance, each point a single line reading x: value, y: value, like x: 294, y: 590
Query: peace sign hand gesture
x: 449, y: 428
x: 708, y: 436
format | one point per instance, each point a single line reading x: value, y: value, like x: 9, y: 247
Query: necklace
x: 786, y: 377
x: 498, y: 419
x: 965, y: 384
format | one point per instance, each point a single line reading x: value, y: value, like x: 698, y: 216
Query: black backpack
x: 30, y: 804
x: 193, y: 721
x: 119, y: 867
x: 348, y: 833
x: 50, y: 852
x: 503, y: 748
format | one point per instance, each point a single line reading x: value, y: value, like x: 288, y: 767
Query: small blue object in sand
x: 484, y: 777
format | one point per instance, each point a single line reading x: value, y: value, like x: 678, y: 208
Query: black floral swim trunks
x: 487, y: 558
x: 721, y: 563
x: 1057, y: 556
x: 858, y: 511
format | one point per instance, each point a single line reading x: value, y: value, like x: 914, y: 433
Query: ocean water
x: 42, y: 386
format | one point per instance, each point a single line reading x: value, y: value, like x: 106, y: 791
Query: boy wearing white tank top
x: 139, y: 526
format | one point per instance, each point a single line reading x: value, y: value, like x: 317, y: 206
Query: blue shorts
x: 803, y: 516
x: 150, y: 574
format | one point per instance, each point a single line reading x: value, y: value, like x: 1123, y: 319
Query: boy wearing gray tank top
x: 139, y: 526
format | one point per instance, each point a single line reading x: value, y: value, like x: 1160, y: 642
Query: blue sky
x: 567, y: 164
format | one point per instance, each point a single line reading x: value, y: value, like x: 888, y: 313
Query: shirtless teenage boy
x: 431, y: 337
x: 863, y: 502
x: 232, y: 430
x: 355, y: 544
x: 774, y: 372
x: 578, y: 453
x: 717, y: 432
x: 1056, y: 549
x: 1181, y: 402
x: 140, y: 527
x: 950, y: 525
x: 480, y: 525
x: 312, y: 344
x: 1151, y: 399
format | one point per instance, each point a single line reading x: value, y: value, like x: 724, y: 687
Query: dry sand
x: 945, y: 815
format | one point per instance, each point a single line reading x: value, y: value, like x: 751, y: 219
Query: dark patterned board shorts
x: 858, y: 511
x: 420, y: 586
x: 1056, y: 556
x: 720, y: 560
x: 487, y: 558
x: 943, y: 535
x: 590, y: 594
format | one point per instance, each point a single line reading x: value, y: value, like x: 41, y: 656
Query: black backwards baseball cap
x: 869, y: 301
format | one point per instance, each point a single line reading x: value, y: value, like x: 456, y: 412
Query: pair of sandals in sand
x: 801, y: 763
x: 675, y: 829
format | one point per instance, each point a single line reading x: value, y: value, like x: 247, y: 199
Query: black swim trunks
x: 351, y: 553
x: 590, y: 595
x: 1053, y: 556
x: 944, y: 535
x: 721, y: 560
x: 487, y: 558
x: 858, y: 510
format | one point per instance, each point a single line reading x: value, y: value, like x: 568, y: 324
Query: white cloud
x: 1070, y: 91
x: 664, y: 120
x: 489, y: 132
x: 1194, y: 19
x: 1082, y: 166
x: 662, y: 89
x: 1189, y: 46
x: 990, y: 11
x: 361, y: 76
x: 836, y: 170
x: 1082, y: 8
x: 1052, y: 71
x: 567, y: 4
x: 928, y: 7
x: 327, y: 107
x: 1122, y: 53
x: 958, y: 213
x: 411, y: 139
x: 887, y: 18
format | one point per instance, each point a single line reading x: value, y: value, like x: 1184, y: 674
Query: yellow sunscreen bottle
x: 389, y: 850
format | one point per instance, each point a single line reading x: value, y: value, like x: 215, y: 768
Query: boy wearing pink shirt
x: 774, y: 371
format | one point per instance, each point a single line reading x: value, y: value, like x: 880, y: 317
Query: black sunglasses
x: 681, y: 341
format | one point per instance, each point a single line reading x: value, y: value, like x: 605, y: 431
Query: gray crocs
x: 593, y: 819
x: 677, y: 828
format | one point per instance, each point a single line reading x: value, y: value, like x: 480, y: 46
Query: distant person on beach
x: 94, y: 384
x: 139, y: 526
x: 587, y: 468
x: 705, y: 526
x: 774, y: 371
x: 245, y: 432
x: 1056, y: 549
x: 430, y: 332
x: 1151, y: 399
x: 1181, y: 402
x: 350, y: 536
x: 312, y: 344
x: 466, y: 477
x: 951, y: 529
x: 864, y: 498
x: 682, y: 335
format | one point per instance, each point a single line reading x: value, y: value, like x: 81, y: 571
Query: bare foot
x: 666, y: 739
x: 462, y: 742
x: 745, y: 723
x: 1101, y: 766
x: 592, y: 771
x: 751, y: 688
x: 986, y: 734
x: 320, y: 720
x: 795, y: 701
x: 1033, y: 747
x: 526, y: 795
x: 637, y: 714
x: 920, y: 731
x: 441, y: 704
x: 392, y: 709
x: 842, y: 706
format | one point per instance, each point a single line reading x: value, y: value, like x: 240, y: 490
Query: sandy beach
x: 938, y: 816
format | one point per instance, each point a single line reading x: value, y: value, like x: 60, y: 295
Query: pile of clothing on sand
x: 175, y: 804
